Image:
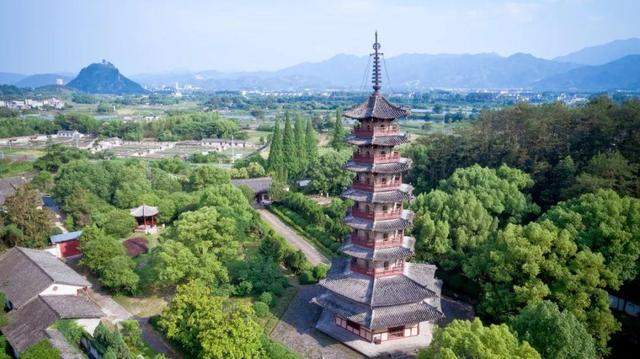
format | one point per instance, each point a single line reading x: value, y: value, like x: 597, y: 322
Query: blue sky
x: 141, y: 36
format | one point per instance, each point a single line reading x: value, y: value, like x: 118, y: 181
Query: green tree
x: 301, y: 145
x: 311, y: 143
x: 34, y: 224
x: 118, y: 274
x: 291, y: 160
x: 118, y: 223
x: 608, y: 171
x: 211, y: 327
x: 471, y: 339
x: 608, y: 224
x: 328, y: 175
x: 98, y: 248
x: 206, y: 225
x: 338, y: 134
x: 554, y: 334
x: 204, y: 176
x: 41, y: 350
x: 276, y: 154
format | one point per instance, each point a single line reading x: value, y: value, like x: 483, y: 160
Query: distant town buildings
x: 220, y: 144
x: 30, y: 104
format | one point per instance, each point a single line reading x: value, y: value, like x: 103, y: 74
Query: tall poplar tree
x: 301, y: 147
x: 276, y: 155
x: 311, y: 144
x: 339, y: 134
x: 289, y: 147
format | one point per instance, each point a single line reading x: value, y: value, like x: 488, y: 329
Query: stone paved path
x: 297, y: 330
x: 313, y: 255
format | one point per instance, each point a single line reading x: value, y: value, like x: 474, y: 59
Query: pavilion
x: 146, y: 217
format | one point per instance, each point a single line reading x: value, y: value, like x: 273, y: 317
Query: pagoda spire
x: 376, y: 64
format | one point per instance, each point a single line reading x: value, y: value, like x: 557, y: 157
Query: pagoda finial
x: 376, y: 64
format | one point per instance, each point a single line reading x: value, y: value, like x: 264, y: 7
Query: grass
x: 11, y: 169
x: 295, y: 221
x: 146, y: 306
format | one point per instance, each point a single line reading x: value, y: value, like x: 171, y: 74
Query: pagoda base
x: 408, y: 345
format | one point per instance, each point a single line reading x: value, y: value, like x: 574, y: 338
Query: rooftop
x: 64, y: 237
x: 376, y: 107
x: 403, y: 193
x: 416, y: 283
x: 257, y: 185
x: 25, y: 273
x: 380, y: 254
x: 144, y: 211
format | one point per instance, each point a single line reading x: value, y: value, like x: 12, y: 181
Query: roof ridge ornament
x: 376, y: 64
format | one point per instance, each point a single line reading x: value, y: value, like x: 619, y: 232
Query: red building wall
x: 69, y: 248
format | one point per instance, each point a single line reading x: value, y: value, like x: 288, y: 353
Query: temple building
x: 374, y: 299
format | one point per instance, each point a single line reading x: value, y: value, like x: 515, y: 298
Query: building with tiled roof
x: 374, y: 296
x: 40, y: 289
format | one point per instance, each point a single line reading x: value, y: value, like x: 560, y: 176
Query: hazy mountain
x: 410, y: 71
x: 104, y: 78
x: 9, y: 78
x: 621, y: 74
x: 38, y: 80
x: 602, y: 54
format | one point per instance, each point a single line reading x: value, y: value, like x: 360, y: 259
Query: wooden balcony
x: 377, y: 158
x: 364, y: 131
x: 376, y: 215
x: 376, y: 186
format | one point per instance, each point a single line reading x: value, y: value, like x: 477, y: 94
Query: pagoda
x: 373, y: 295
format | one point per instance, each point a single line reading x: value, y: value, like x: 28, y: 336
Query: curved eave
x: 382, y: 225
x: 377, y: 107
x: 379, y: 140
x: 380, y: 254
x: 402, y: 165
x: 403, y: 193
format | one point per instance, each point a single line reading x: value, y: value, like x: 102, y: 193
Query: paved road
x: 313, y: 255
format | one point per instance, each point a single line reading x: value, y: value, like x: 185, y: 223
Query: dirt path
x: 313, y: 255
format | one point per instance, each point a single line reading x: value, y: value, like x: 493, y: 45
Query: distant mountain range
x: 104, y: 78
x: 611, y: 66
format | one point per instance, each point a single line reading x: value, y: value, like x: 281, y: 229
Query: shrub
x: 307, y: 277
x: 320, y: 271
x: 41, y: 350
x: 71, y: 330
x: 296, y: 261
x: 244, y: 288
x: 261, y: 309
x: 266, y: 298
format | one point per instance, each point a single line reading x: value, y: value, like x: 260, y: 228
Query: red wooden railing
x: 375, y: 131
x: 376, y: 215
x: 376, y: 185
x: 377, y: 158
x: 393, y: 241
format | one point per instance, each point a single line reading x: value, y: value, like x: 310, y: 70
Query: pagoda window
x: 386, y: 265
x: 385, y: 236
x: 385, y: 208
x: 368, y: 208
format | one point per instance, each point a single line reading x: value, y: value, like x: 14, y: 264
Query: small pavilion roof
x: 376, y: 107
x: 65, y: 237
x: 144, y: 211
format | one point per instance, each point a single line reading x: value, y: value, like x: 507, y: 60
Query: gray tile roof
x: 25, y: 273
x: 73, y: 306
x: 393, y: 196
x: 257, y: 185
x: 380, y: 254
x: 376, y: 107
x: 379, y: 140
x: 26, y: 325
x: 144, y: 211
x: 64, y: 237
x: 402, y: 165
x: 380, y: 225
x: 381, y: 317
x: 8, y: 186
x: 383, y: 291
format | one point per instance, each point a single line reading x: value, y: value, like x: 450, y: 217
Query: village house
x: 68, y: 134
x: 40, y: 290
x: 219, y: 144
x: 65, y: 245
x: 259, y: 186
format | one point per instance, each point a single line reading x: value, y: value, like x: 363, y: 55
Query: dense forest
x: 532, y: 213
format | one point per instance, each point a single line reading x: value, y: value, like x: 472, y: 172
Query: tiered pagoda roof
x: 404, y: 221
x: 402, y: 165
x: 380, y: 254
x: 392, y: 140
x: 376, y: 107
x: 403, y: 193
